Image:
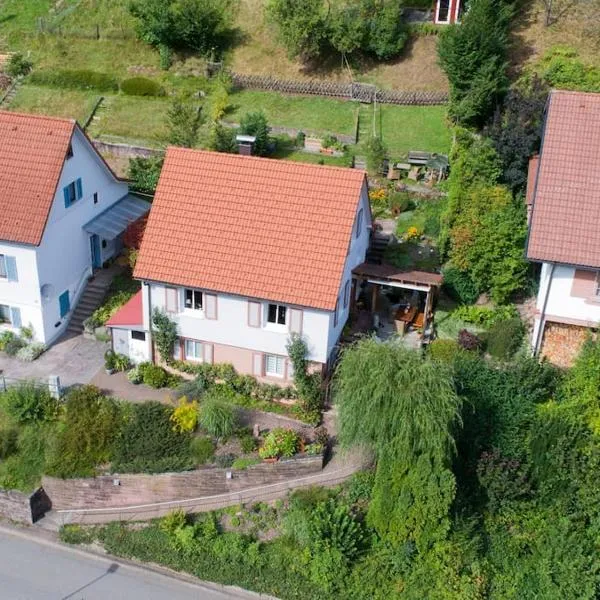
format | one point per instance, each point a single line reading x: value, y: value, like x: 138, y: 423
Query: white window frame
x: 437, y: 12
x: 193, y: 308
x: 196, y: 346
x: 278, y: 308
x: 279, y: 361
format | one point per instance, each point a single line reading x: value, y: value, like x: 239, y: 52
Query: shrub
x: 314, y: 449
x: 217, y: 417
x: 144, y: 172
x: 202, y: 449
x: 134, y: 375
x: 248, y: 443
x: 141, y: 86
x: 30, y: 403
x: 148, y: 443
x: 109, y: 308
x: 5, y: 337
x: 505, y: 337
x: 468, y: 340
x: 485, y: 316
x: 185, y: 416
x: 444, y: 351
x: 376, y: 152
x: 13, y: 345
x: 321, y: 435
x: 165, y: 334
x: 243, y: 463
x: 109, y: 360
x: 194, y: 389
x: 460, y: 285
x: 91, y: 426
x: 121, y: 362
x: 76, y: 79
x: 224, y: 461
x: 280, y: 442
x: 30, y: 352
x: 155, y: 376
x: 18, y: 65
x: 255, y: 123
x: 9, y: 436
x: 27, y: 332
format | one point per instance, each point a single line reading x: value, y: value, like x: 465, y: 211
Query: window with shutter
x: 194, y: 350
x: 3, y: 274
x: 79, y: 189
x: 277, y: 314
x: 584, y: 284
x: 192, y: 299
x: 346, y: 293
x: 4, y: 313
x: 296, y: 317
x: 335, y: 312
x: 359, y: 222
x: 15, y: 316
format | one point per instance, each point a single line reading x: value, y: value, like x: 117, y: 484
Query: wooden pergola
x: 389, y: 275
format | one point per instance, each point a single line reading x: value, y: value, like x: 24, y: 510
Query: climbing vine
x: 165, y: 334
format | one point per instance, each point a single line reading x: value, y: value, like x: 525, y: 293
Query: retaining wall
x: 124, y: 149
x: 25, y: 508
x: 137, y: 489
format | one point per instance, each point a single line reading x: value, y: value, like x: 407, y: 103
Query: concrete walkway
x: 118, y: 386
x: 74, y: 359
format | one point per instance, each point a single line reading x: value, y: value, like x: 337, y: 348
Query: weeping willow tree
x: 405, y: 408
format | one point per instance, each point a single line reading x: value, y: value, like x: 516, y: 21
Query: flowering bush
x: 185, y: 416
x: 30, y: 352
x: 378, y: 196
x: 412, y: 233
x: 468, y: 340
x: 280, y: 442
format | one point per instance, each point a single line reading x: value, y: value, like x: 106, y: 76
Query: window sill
x: 193, y: 359
x: 276, y: 328
x: 191, y: 312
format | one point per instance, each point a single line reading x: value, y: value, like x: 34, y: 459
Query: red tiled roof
x: 565, y: 222
x: 129, y: 314
x: 256, y: 227
x: 32, y: 153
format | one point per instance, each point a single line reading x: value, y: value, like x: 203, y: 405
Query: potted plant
x: 109, y: 361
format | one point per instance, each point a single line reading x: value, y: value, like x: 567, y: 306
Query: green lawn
x: 310, y: 114
x: 72, y: 104
x: 405, y: 128
x: 131, y: 119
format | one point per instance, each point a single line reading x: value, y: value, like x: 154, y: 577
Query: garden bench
x: 418, y: 158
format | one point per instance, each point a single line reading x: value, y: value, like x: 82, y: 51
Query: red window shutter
x: 171, y: 299
x: 210, y: 306
x: 254, y: 310
x: 584, y: 284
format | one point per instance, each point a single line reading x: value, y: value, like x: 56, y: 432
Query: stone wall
x: 131, y: 490
x: 124, y: 149
x: 25, y: 508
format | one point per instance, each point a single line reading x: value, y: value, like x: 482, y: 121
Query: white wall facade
x: 231, y: 327
x: 23, y: 294
x: 64, y: 255
x: 556, y: 298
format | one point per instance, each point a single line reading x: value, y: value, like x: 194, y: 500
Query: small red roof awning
x: 129, y: 315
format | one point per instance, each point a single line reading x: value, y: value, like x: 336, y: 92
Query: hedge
x: 76, y: 79
x: 141, y: 86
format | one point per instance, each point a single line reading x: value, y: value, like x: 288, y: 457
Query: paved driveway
x: 74, y: 359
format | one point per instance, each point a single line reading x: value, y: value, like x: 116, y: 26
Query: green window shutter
x: 79, y: 189
x: 15, y: 316
x: 67, y: 199
x: 11, y: 268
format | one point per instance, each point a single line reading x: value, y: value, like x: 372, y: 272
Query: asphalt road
x: 33, y: 571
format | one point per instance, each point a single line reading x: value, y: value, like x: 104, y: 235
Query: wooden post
x: 375, y: 293
x: 427, y: 308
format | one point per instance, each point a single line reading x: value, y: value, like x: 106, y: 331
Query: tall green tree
x: 255, y: 123
x: 183, y: 122
x: 473, y: 56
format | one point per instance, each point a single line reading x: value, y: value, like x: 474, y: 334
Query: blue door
x: 96, y: 254
x: 65, y: 303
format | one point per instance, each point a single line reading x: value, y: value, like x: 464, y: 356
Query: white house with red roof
x: 564, y: 230
x: 62, y: 211
x: 240, y: 252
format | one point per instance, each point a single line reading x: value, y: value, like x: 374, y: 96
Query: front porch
x: 394, y: 303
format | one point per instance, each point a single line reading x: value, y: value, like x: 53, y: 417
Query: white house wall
x: 24, y: 293
x: 64, y: 255
x: 560, y: 301
x: 231, y: 326
x: 356, y: 256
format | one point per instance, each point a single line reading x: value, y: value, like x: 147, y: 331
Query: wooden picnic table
x: 404, y: 317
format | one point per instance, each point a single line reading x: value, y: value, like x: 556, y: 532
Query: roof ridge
x: 38, y: 116
x: 265, y: 159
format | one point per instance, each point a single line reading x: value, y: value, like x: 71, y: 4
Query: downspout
x: 150, y: 322
x: 540, y: 332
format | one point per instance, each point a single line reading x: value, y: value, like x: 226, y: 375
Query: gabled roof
x: 565, y: 222
x: 32, y: 153
x: 256, y: 227
x: 130, y: 314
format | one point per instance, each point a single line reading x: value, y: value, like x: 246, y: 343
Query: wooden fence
x: 362, y: 92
